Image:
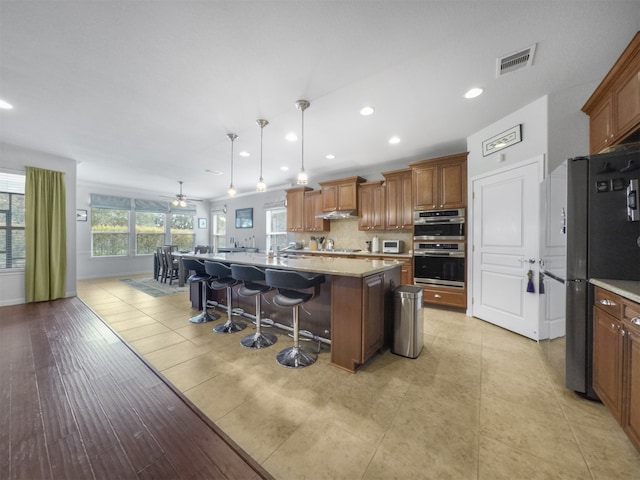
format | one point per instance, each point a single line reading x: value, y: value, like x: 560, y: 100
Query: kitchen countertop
x: 625, y: 288
x: 348, y: 267
x: 345, y: 252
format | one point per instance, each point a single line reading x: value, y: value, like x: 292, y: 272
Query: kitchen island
x: 353, y: 311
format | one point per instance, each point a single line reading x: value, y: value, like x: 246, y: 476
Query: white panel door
x: 506, y: 226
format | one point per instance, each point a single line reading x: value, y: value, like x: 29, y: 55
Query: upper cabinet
x: 295, y: 209
x: 313, y: 207
x: 340, y: 194
x: 440, y: 182
x: 399, y: 203
x: 614, y: 107
x: 372, y: 206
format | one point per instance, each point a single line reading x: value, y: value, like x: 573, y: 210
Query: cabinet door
x: 601, y: 126
x: 627, y: 103
x: 631, y: 422
x: 453, y: 185
x: 406, y: 210
x: 394, y: 202
x: 607, y: 360
x: 348, y: 196
x: 373, y: 328
x: 295, y: 209
x: 329, y: 197
x: 313, y: 207
x: 425, y: 190
x: 365, y: 219
x: 407, y: 273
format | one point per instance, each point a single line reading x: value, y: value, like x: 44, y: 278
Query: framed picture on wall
x: 202, y: 223
x: 244, y: 218
x: 81, y: 215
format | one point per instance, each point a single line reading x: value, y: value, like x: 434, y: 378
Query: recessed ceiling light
x: 473, y: 93
x: 5, y: 105
x: 394, y: 140
x: 244, y: 154
x: 213, y: 172
x: 284, y: 168
x: 330, y: 156
x: 366, y: 111
x: 291, y: 137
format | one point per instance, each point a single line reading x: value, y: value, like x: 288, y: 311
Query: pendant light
x: 261, y: 186
x: 302, y: 105
x: 232, y: 190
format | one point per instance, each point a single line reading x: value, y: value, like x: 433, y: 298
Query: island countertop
x: 348, y: 267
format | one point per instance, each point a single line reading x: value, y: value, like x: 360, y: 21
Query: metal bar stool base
x: 229, y: 327
x: 296, y: 357
x: 204, y: 317
x: 259, y: 340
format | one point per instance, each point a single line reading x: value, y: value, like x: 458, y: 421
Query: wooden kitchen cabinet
x: 614, y: 107
x: 371, y: 214
x: 616, y: 359
x: 313, y: 207
x: 399, y: 199
x: 440, y: 183
x: 295, y: 208
x: 340, y: 194
x: 444, y: 296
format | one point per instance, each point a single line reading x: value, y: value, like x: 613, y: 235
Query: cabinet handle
x: 635, y: 320
x: 606, y: 302
x: 613, y: 326
x: 437, y: 295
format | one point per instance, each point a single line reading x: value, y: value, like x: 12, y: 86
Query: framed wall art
x: 244, y: 218
x: 502, y: 140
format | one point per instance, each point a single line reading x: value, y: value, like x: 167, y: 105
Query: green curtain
x: 45, y: 235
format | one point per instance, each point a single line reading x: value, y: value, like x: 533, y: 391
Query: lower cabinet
x: 445, y: 296
x: 616, y: 359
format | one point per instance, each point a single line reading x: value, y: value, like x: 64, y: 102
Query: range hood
x: 338, y: 214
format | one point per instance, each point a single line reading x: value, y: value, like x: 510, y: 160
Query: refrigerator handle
x: 633, y: 212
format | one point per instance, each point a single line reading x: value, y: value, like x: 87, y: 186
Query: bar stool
x: 253, y: 285
x: 293, y: 291
x: 199, y: 276
x: 224, y: 280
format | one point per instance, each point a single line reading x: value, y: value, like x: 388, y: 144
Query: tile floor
x: 478, y: 403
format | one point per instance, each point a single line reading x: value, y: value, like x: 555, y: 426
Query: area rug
x: 155, y: 288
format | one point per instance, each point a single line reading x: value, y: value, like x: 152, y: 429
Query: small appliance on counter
x: 392, y: 246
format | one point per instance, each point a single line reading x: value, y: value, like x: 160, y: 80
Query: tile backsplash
x: 345, y: 234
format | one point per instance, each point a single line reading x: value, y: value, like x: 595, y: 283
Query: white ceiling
x: 142, y: 94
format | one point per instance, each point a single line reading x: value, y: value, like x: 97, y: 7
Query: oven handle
x: 438, y: 254
x: 438, y: 220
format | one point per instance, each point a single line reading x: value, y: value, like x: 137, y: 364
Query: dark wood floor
x: 76, y: 402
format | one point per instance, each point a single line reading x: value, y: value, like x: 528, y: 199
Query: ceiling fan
x: 181, y: 199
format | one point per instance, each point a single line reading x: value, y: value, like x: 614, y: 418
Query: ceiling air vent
x: 515, y: 61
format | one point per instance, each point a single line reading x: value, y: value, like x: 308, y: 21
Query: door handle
x: 527, y: 260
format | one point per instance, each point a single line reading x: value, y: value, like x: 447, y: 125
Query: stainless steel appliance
x: 602, y: 241
x: 439, y: 264
x: 439, y: 224
x: 392, y: 246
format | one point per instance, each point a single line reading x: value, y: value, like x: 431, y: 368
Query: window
x: 276, y: 228
x: 182, y: 232
x: 218, y: 230
x: 109, y: 232
x: 149, y: 232
x: 12, y: 247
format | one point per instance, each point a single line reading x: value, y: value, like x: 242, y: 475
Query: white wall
x: 97, y: 267
x: 15, y: 159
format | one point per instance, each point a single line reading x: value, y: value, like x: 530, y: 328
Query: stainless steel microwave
x: 439, y: 224
x: 392, y: 246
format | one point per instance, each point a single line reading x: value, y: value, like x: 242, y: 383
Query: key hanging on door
x: 530, y: 287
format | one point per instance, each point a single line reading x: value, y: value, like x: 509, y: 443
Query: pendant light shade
x: 302, y: 105
x: 261, y: 186
x: 232, y: 191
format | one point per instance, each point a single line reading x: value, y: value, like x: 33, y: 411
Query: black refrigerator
x: 602, y: 241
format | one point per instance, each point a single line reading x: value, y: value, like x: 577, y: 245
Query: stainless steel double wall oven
x: 439, y: 248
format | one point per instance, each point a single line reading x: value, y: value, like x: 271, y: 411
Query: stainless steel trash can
x: 407, y: 329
